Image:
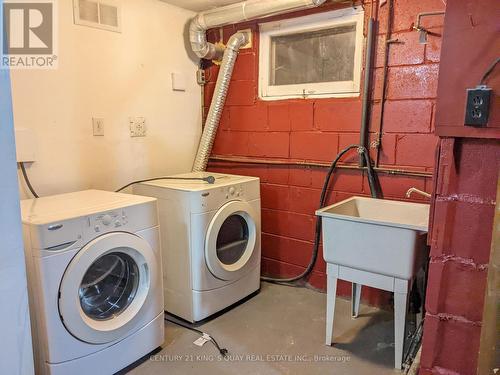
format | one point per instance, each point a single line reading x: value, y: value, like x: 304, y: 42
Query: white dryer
x: 211, y: 241
x: 94, y: 281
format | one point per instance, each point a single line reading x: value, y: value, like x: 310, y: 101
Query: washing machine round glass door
x: 231, y: 239
x: 105, y: 286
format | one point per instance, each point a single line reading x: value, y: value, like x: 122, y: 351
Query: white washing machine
x: 211, y: 241
x: 94, y: 280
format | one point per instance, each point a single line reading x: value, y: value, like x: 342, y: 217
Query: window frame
x: 315, y: 22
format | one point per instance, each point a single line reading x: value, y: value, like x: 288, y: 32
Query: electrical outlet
x: 477, y: 109
x: 98, y: 127
x: 200, y: 77
x: 137, y: 127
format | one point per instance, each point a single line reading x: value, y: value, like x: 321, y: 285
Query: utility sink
x: 376, y: 235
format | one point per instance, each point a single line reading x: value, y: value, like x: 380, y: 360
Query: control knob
x: 107, y: 219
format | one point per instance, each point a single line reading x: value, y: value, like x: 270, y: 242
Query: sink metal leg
x: 355, y: 299
x: 331, y: 293
x: 400, y: 309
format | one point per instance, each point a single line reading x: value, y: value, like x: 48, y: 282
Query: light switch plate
x: 178, y: 82
x: 98, y: 127
x: 137, y: 126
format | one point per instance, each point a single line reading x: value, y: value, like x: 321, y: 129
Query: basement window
x: 312, y: 56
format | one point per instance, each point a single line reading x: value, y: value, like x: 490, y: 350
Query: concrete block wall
x: 464, y: 196
x: 317, y: 129
x: 461, y: 241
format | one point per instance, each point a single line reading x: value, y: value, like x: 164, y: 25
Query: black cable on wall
x: 27, y: 180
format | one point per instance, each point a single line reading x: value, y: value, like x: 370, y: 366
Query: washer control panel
x: 106, y: 221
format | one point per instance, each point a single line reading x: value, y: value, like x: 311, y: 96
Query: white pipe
x: 235, y: 13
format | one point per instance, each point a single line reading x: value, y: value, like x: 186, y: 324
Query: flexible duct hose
x: 219, y: 98
x: 372, y: 181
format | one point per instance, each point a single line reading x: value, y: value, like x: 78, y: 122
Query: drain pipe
x: 235, y: 13
x: 365, y: 115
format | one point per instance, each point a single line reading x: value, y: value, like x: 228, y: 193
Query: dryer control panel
x: 107, y: 221
x: 235, y: 191
x: 213, y: 199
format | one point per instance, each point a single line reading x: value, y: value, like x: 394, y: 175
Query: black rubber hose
x: 372, y: 181
x: 209, y: 179
x: 27, y: 180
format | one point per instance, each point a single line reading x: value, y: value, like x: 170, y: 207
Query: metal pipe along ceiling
x: 236, y: 13
x: 244, y: 11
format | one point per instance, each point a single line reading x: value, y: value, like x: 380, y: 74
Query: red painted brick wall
x: 317, y: 129
x: 461, y: 239
x: 464, y: 200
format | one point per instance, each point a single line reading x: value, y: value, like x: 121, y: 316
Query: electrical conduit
x: 236, y: 13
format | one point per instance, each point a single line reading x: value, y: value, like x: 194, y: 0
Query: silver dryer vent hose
x: 219, y: 98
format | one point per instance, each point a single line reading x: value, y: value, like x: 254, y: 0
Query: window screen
x: 313, y: 57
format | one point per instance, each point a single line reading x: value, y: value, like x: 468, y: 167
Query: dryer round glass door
x: 231, y: 240
x: 105, y: 286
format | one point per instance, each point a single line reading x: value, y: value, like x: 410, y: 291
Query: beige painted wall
x: 111, y: 76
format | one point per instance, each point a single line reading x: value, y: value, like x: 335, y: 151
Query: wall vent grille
x: 102, y: 14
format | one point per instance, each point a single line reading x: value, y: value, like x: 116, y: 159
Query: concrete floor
x: 281, y: 330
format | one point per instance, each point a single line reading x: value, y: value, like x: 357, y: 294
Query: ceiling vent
x: 102, y: 14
